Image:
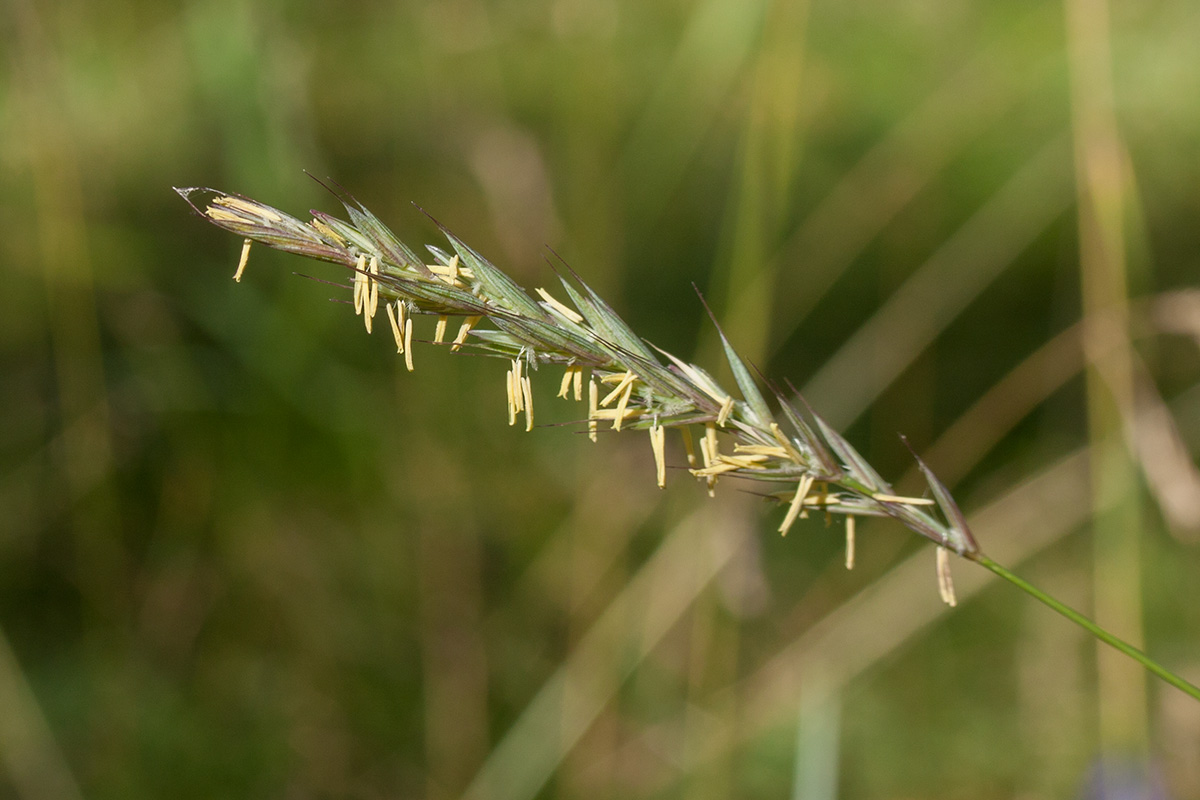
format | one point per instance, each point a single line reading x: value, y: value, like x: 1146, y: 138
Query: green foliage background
x: 244, y: 553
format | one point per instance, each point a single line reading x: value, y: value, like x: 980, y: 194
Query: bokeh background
x: 243, y: 553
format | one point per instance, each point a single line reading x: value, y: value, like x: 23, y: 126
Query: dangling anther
x: 527, y: 400
x: 658, y: 439
x: 622, y: 404
x: 237, y: 276
x: 565, y: 386
x: 396, y: 331
x: 945, y: 581
x: 726, y: 410
x: 463, y: 330
x: 512, y: 397
x: 373, y: 286
x: 593, y: 395
x: 360, y: 284
x: 689, y: 446
x: 797, y: 504
x: 408, y: 364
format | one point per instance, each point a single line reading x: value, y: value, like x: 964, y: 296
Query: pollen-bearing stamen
x: 710, y: 454
x: 593, y: 393
x: 908, y: 501
x: 945, y: 581
x: 370, y: 291
x: 513, y: 395
x: 561, y: 308
x: 623, y: 381
x: 327, y: 232
x: 241, y: 267
x: 849, y: 541
x: 792, y: 453
x: 373, y: 302
x: 527, y: 401
x: 726, y: 409
x: 463, y: 330
x: 622, y: 405
x: 658, y: 438
x: 572, y: 380
x: 408, y: 350
x: 360, y: 284
x: 797, y: 506
x: 689, y: 446
x: 395, y: 323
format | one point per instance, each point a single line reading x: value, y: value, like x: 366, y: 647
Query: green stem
x: 1088, y: 625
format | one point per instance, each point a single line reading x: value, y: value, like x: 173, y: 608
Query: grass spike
x: 518, y: 328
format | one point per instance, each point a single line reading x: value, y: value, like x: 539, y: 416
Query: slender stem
x: 1088, y: 625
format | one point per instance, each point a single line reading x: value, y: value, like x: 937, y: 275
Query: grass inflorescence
x: 630, y: 384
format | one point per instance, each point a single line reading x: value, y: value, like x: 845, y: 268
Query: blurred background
x: 243, y: 553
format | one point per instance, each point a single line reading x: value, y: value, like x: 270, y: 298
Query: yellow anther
x: 615, y: 414
x: 908, y: 501
x: 360, y: 284
x: 625, y: 382
x: 463, y: 330
x: 408, y: 326
x: 527, y: 399
x: 849, y: 541
x: 451, y: 272
x: 370, y: 292
x: 566, y: 311
x: 622, y: 404
x: 593, y: 393
x: 718, y: 468
x: 518, y: 395
x: 743, y: 462
x: 237, y: 276
x: 439, y: 333
x: 658, y: 440
x: 786, y: 443
x: 710, y: 453
x: 945, y: 581
x: 688, y: 446
x: 797, y: 504
x: 327, y: 232
x: 373, y: 299
x: 246, y: 207
x: 768, y: 451
x: 221, y: 215
x: 512, y: 397
x: 726, y: 410
x: 396, y: 332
